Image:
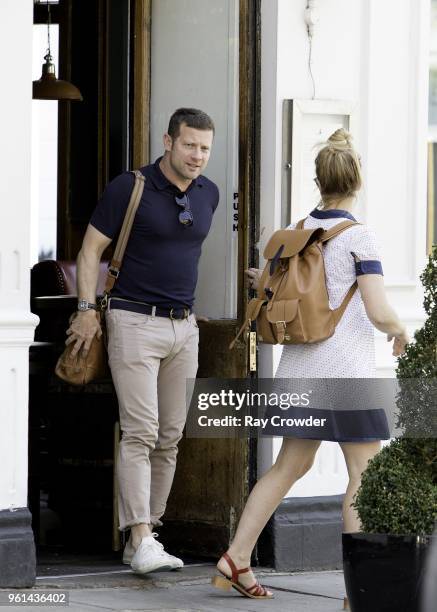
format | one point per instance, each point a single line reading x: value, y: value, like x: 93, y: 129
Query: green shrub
x: 397, y: 493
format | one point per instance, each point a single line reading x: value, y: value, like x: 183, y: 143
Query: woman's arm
x: 379, y: 311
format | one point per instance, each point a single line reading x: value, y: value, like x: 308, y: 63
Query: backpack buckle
x: 281, y: 330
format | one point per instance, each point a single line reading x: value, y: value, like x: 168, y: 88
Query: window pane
x: 44, y: 155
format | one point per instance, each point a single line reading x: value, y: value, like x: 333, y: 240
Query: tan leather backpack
x: 292, y: 303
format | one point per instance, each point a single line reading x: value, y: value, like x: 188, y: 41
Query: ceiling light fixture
x: 48, y: 87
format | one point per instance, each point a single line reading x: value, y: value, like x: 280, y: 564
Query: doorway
x: 135, y: 61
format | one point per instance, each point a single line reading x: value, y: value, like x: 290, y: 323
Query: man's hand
x: 253, y: 276
x: 82, y: 330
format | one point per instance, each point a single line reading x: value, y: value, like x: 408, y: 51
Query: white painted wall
x: 17, y: 324
x: 375, y: 54
x: 433, y: 72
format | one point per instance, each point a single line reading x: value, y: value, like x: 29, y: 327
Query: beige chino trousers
x: 151, y: 359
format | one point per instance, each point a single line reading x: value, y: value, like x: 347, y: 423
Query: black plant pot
x: 383, y: 572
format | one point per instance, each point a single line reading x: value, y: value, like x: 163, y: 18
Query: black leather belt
x: 148, y: 309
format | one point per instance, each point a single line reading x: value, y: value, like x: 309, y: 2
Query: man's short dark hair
x: 192, y: 117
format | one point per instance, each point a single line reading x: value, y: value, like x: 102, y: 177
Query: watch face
x: 84, y: 305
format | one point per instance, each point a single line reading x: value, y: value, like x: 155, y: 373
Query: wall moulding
x: 17, y: 328
x: 306, y: 125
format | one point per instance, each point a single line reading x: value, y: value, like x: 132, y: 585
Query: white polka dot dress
x: 350, y: 352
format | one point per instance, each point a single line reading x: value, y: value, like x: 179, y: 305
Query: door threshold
x: 107, y: 573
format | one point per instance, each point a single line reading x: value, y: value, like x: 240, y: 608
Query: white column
x: 17, y: 324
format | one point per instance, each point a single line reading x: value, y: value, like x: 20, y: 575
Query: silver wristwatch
x: 83, y: 305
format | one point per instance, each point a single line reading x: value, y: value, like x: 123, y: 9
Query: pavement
x: 188, y: 590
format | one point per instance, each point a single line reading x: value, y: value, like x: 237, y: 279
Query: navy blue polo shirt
x: 160, y: 264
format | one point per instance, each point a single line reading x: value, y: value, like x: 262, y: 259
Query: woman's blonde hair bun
x: 341, y: 139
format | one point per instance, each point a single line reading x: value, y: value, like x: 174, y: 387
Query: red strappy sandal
x: 256, y: 591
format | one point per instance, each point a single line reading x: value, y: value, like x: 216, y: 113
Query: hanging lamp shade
x: 48, y: 87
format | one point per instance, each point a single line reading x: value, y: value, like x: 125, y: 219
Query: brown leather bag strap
x: 252, y: 312
x: 115, y: 265
x: 262, y: 279
x: 337, y: 229
x: 339, y: 312
x: 334, y: 231
x: 245, y: 326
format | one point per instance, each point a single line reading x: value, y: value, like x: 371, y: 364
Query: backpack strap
x: 337, y: 229
x: 339, y: 312
x: 253, y: 310
x: 254, y: 306
x: 264, y: 276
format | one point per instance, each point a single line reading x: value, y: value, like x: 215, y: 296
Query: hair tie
x: 338, y: 142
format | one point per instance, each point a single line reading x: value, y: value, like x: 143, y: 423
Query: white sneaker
x: 129, y: 550
x: 150, y: 556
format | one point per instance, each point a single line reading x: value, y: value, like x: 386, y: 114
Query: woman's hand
x: 253, y: 276
x: 400, y: 341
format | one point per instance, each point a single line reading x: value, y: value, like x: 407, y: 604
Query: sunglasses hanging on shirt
x: 185, y: 216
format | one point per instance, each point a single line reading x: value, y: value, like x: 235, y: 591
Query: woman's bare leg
x: 357, y: 456
x: 294, y: 460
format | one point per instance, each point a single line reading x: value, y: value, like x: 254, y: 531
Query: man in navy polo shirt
x: 152, y: 333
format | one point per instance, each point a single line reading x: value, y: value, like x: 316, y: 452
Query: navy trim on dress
x: 368, y: 266
x: 331, y: 213
x: 338, y: 426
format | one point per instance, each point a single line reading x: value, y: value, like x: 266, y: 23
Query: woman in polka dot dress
x: 349, y: 353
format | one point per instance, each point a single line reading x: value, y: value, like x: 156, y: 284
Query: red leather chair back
x: 50, y: 277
